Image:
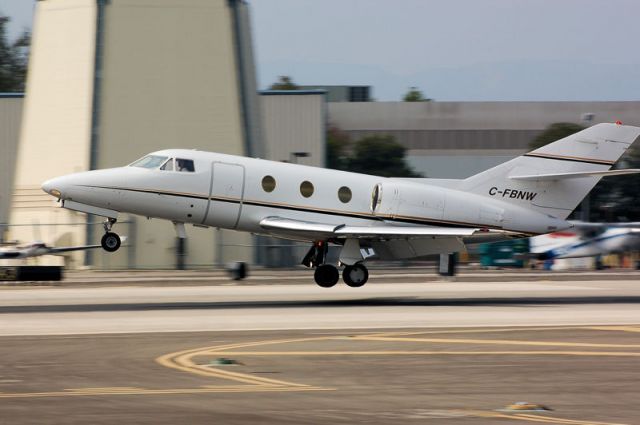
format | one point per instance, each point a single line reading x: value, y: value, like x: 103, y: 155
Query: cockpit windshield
x: 149, y: 161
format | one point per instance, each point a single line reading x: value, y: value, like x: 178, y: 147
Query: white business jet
x: 587, y: 240
x: 36, y: 249
x: 391, y: 217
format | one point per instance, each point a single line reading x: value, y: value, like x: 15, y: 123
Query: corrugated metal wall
x: 294, y: 123
x: 475, y: 115
x: 455, y: 139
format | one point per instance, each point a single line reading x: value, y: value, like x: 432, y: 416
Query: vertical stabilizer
x: 591, y: 150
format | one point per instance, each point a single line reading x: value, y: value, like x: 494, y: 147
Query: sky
x: 456, y: 50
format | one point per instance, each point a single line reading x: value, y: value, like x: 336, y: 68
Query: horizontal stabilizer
x: 576, y: 175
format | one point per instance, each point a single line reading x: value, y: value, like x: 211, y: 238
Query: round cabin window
x: 306, y: 189
x: 268, y: 183
x: 344, y: 194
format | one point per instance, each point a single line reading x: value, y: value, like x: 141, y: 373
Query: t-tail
x: 555, y: 178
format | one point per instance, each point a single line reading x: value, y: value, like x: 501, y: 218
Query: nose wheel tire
x: 110, y: 242
x: 326, y: 275
x: 355, y: 276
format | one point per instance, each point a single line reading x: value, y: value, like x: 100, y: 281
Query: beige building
x: 459, y: 139
x: 10, y: 119
x: 294, y: 126
x: 110, y: 81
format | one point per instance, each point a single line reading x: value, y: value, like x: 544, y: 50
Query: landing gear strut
x: 110, y: 241
x: 327, y: 275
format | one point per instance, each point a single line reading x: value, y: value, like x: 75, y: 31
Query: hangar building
x: 459, y: 139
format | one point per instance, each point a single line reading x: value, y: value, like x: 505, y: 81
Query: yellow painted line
x: 542, y: 417
x: 569, y: 421
x: 104, y: 390
x: 471, y: 331
x: 182, y: 360
x: 616, y: 328
x: 188, y: 365
x: 222, y: 389
x: 497, y: 342
x: 429, y: 353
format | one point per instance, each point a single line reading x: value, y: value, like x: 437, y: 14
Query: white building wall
x: 10, y: 119
x: 169, y: 80
x: 56, y: 124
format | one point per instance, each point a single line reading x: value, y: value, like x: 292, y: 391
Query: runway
x: 441, y: 352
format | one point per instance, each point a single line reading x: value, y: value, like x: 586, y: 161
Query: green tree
x: 554, y: 132
x: 13, y: 59
x: 380, y: 156
x: 415, y: 95
x: 284, y: 83
x: 338, y: 143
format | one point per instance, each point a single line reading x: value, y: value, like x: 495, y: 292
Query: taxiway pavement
x: 402, y: 352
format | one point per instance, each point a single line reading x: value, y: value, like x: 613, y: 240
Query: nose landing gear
x: 110, y: 241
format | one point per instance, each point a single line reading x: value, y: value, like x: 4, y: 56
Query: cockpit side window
x: 167, y: 166
x: 185, y: 165
x: 149, y: 161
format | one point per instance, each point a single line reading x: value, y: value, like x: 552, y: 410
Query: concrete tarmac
x: 444, y: 352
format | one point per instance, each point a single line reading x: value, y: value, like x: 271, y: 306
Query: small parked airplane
x: 36, y: 249
x: 393, y: 217
x: 587, y: 240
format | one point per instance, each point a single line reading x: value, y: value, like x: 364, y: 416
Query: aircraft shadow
x: 361, y: 302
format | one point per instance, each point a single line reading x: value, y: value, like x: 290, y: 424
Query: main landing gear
x: 110, y: 241
x: 327, y: 275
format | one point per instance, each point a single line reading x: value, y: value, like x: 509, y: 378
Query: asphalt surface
x: 403, y: 352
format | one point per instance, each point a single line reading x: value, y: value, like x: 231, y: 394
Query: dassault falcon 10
x: 393, y: 218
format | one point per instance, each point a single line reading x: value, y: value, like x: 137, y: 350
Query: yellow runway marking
x: 495, y: 342
x: 142, y: 391
x: 563, y: 421
x: 183, y: 361
x: 542, y: 417
x: 187, y: 361
x: 616, y: 328
x: 480, y: 330
x: 429, y: 353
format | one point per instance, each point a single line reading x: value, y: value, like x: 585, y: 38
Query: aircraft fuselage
x: 235, y: 192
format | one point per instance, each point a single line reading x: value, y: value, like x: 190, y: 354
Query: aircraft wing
x: 587, y: 229
x: 585, y: 225
x: 9, y: 254
x: 382, y: 231
x: 60, y: 250
x: 55, y: 251
x: 389, y: 241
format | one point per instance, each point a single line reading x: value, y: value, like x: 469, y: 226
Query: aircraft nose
x: 53, y: 187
